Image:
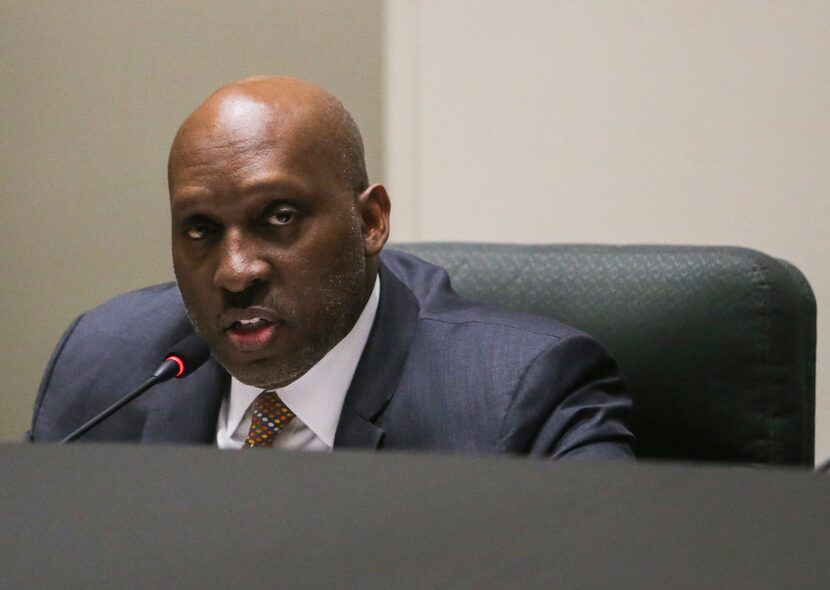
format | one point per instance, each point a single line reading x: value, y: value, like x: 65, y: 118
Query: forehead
x: 241, y: 115
x: 240, y: 143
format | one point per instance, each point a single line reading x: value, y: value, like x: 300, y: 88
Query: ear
x: 373, y: 208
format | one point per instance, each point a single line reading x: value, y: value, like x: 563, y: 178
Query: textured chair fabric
x: 717, y: 344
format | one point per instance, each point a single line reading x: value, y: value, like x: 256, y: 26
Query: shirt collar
x: 317, y: 396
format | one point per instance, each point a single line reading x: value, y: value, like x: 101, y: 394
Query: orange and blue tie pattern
x: 270, y: 416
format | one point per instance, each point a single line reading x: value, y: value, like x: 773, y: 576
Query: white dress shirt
x: 316, y: 398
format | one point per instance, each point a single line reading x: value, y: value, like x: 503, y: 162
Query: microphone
x: 186, y: 356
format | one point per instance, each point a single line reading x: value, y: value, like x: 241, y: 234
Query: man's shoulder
x: 152, y: 298
x: 137, y: 320
x: 118, y: 342
x: 438, y: 301
x: 152, y: 308
x: 501, y: 380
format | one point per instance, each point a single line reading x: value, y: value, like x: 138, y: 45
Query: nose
x: 241, y: 265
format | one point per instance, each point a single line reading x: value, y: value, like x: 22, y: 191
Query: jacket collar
x: 381, y: 365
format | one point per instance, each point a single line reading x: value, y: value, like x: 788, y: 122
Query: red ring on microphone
x: 179, y: 362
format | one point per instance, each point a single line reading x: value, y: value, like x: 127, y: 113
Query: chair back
x: 717, y: 344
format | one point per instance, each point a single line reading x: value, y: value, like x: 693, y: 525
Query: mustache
x: 253, y: 296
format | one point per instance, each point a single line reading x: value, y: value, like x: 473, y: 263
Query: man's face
x: 267, y: 244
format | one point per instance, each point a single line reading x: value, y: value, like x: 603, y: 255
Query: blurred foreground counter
x: 164, y: 517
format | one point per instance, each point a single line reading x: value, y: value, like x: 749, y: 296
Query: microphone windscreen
x: 192, y: 352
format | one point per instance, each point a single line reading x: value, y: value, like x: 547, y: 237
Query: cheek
x: 341, y: 277
x: 194, y: 284
x: 331, y: 268
x: 183, y: 276
x: 335, y: 255
x: 180, y: 265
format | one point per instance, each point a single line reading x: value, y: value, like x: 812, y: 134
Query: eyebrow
x: 271, y: 184
x: 274, y: 189
x: 187, y: 199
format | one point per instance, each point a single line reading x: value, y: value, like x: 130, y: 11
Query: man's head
x: 276, y: 231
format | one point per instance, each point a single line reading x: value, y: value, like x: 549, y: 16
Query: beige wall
x: 91, y: 95
x: 693, y: 122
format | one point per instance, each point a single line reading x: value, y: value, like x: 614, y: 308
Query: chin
x: 264, y: 373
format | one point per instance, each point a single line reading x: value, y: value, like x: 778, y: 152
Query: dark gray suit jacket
x: 438, y: 373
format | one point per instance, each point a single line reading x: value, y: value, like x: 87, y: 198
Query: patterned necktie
x: 270, y: 416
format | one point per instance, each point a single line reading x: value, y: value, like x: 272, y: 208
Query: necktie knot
x: 269, y: 418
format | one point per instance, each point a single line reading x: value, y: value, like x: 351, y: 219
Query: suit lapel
x: 186, y: 411
x: 381, y: 365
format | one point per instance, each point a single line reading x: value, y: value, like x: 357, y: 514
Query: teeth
x: 251, y: 321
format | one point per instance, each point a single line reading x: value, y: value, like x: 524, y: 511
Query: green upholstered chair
x: 717, y: 344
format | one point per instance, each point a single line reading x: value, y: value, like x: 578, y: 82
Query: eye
x: 282, y: 216
x: 199, y: 230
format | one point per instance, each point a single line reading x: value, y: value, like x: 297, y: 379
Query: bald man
x: 318, y: 340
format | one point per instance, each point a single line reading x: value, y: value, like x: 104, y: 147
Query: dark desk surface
x: 162, y: 517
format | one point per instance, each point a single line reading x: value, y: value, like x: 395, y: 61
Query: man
x: 319, y: 340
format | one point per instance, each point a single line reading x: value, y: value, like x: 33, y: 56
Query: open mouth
x: 251, y: 324
x: 251, y: 334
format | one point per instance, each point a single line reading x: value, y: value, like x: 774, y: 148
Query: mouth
x: 251, y: 329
